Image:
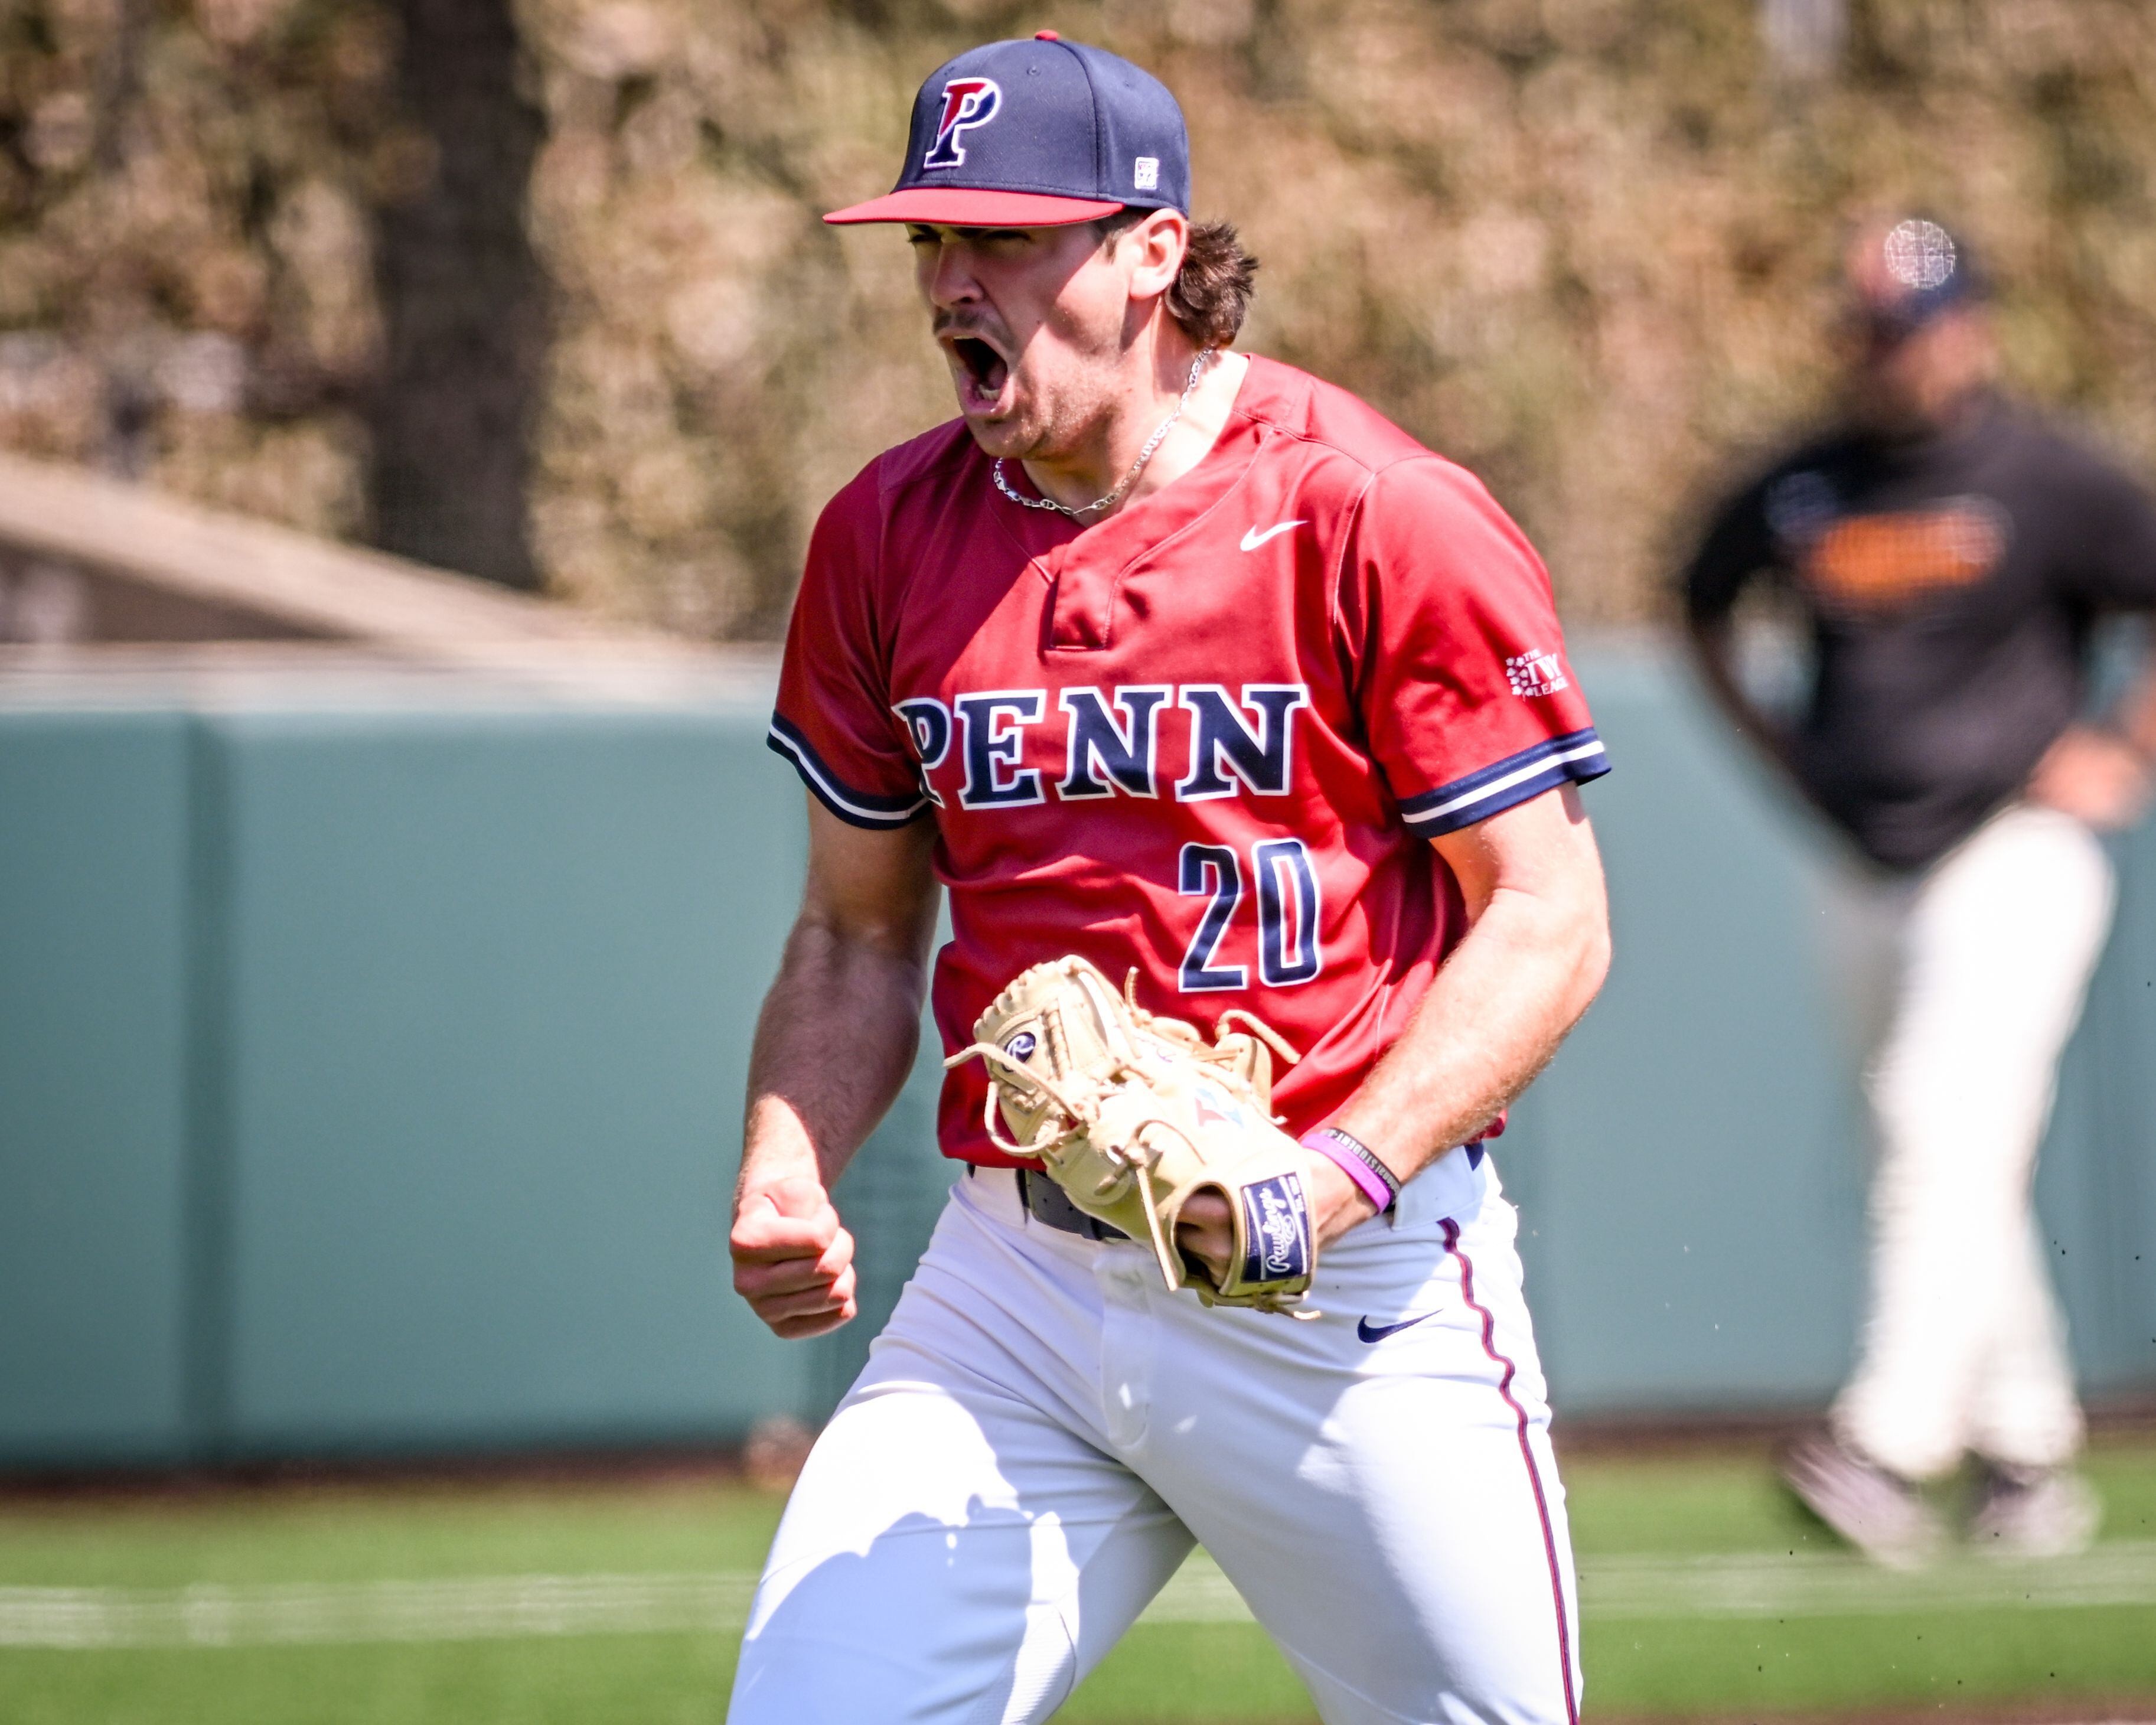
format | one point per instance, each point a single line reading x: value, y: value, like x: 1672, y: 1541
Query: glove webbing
x: 1077, y: 1114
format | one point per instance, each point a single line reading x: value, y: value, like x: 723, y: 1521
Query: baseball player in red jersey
x: 1186, y: 663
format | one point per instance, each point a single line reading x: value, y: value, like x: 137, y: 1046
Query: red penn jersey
x: 1208, y: 738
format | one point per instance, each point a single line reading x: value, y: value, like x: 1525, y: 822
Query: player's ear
x: 1155, y: 246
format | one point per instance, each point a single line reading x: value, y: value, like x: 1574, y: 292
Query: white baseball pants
x: 1042, y: 1431
x: 1967, y: 980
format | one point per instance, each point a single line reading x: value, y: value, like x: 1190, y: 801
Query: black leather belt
x: 1048, y: 1205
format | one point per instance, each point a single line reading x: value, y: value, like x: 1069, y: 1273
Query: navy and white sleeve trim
x: 1573, y: 758
x: 855, y: 808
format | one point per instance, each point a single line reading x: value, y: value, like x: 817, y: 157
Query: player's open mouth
x: 982, y: 373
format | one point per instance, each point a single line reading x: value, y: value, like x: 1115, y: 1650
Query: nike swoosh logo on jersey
x: 1253, y: 539
x: 1370, y: 1331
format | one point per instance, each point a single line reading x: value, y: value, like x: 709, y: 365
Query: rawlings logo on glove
x: 1277, y: 1222
x: 1131, y: 1113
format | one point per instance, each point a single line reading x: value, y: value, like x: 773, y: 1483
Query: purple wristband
x: 1359, y: 1161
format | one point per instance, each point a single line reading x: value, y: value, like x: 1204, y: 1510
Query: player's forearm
x: 1714, y: 654
x: 1506, y: 998
x: 833, y: 1046
x: 2135, y: 716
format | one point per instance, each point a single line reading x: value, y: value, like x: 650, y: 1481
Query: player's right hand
x: 2098, y: 779
x: 792, y: 1261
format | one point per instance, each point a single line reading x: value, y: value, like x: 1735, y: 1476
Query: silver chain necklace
x: 1137, y: 467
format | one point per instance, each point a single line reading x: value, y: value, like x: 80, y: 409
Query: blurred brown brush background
x: 536, y: 291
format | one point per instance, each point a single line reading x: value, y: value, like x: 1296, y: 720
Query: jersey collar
x: 1050, y: 540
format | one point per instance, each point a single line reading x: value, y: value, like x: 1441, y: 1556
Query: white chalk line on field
x: 516, y: 1607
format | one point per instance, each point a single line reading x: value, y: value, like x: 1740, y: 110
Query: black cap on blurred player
x: 1906, y: 273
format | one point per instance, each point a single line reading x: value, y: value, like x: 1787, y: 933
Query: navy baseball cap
x: 1036, y: 134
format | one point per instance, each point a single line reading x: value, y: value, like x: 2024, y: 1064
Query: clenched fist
x: 792, y: 1261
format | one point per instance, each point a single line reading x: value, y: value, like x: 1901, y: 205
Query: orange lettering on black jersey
x: 1878, y: 562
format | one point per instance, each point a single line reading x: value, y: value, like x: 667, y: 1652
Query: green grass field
x: 1704, y: 1593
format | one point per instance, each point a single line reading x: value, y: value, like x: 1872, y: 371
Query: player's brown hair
x: 1212, y: 290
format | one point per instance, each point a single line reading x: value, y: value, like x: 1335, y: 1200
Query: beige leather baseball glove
x: 1131, y: 1113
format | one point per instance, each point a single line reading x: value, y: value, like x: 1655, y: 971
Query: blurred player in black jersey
x: 1950, y: 556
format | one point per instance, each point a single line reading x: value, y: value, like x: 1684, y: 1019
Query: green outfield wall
x: 371, y: 1050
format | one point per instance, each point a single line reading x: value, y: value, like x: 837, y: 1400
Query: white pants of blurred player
x: 1967, y: 980
x: 1042, y: 1431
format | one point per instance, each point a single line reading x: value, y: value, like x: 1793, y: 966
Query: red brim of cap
x: 955, y: 206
